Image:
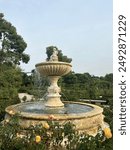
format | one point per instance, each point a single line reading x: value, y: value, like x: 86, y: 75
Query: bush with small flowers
x: 50, y: 136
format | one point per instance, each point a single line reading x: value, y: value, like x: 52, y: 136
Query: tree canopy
x: 12, y: 45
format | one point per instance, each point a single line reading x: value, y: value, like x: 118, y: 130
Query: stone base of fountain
x: 54, y: 101
x: 86, y: 117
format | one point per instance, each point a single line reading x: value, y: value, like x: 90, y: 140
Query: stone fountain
x: 53, y: 69
x: 86, y: 117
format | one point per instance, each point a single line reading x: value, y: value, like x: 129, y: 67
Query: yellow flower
x: 7, y: 120
x: 46, y: 125
x: 19, y: 135
x: 11, y: 112
x: 51, y: 117
x: 38, y: 139
x: 107, y: 133
x: 33, y: 124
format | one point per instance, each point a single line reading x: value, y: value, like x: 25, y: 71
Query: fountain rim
x: 53, y: 63
x: 95, y: 111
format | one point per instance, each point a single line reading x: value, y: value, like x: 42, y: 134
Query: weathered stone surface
x: 88, y: 122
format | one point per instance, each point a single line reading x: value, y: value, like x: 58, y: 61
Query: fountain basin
x: 86, y: 117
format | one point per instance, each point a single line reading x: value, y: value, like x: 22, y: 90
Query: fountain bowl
x: 55, y: 68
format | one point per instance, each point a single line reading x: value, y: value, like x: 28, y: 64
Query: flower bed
x: 51, y: 136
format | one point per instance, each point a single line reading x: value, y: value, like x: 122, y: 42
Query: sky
x: 82, y: 29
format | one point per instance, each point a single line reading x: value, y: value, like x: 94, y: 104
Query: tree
x: 70, y: 78
x: 61, y: 57
x: 10, y: 82
x: 109, y: 77
x: 12, y: 45
x: 84, y: 78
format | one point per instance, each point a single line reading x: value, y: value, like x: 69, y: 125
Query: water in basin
x: 39, y: 108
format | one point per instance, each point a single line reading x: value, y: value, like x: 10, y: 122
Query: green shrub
x: 49, y: 136
x: 10, y: 81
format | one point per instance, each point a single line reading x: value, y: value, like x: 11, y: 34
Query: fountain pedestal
x: 53, y: 69
x: 53, y: 96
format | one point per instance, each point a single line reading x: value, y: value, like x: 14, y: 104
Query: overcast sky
x: 82, y: 29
